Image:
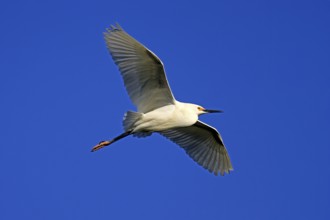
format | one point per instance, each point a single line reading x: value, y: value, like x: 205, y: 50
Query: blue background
x: 265, y: 63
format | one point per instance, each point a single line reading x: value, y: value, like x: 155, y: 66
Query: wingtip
x: 117, y: 25
x: 113, y: 28
x: 222, y: 172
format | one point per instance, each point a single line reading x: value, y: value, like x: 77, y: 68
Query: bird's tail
x: 130, y: 118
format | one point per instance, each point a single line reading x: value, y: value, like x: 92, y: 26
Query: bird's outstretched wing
x: 203, y: 144
x: 143, y: 72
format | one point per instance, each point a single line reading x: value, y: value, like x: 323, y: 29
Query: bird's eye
x: 200, y: 108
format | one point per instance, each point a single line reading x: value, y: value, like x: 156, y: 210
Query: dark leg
x: 106, y: 143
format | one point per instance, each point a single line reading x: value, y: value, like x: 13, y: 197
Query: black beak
x: 212, y: 111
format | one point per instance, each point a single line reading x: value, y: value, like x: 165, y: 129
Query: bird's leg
x: 106, y: 143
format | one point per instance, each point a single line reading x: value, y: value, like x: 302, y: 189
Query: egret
x: 158, y: 111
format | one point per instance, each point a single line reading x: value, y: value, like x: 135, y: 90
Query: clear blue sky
x: 265, y: 63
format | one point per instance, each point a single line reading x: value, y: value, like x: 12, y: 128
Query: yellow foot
x: 101, y: 145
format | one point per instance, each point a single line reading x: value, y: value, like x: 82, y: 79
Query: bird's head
x: 201, y: 110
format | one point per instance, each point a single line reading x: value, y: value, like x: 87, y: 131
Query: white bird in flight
x: 158, y: 111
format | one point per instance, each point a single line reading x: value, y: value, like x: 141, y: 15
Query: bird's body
x: 158, y: 111
x: 167, y: 117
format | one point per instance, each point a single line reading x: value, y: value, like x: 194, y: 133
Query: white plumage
x: 158, y: 111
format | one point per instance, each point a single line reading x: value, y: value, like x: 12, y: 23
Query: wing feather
x: 203, y: 144
x: 143, y: 72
